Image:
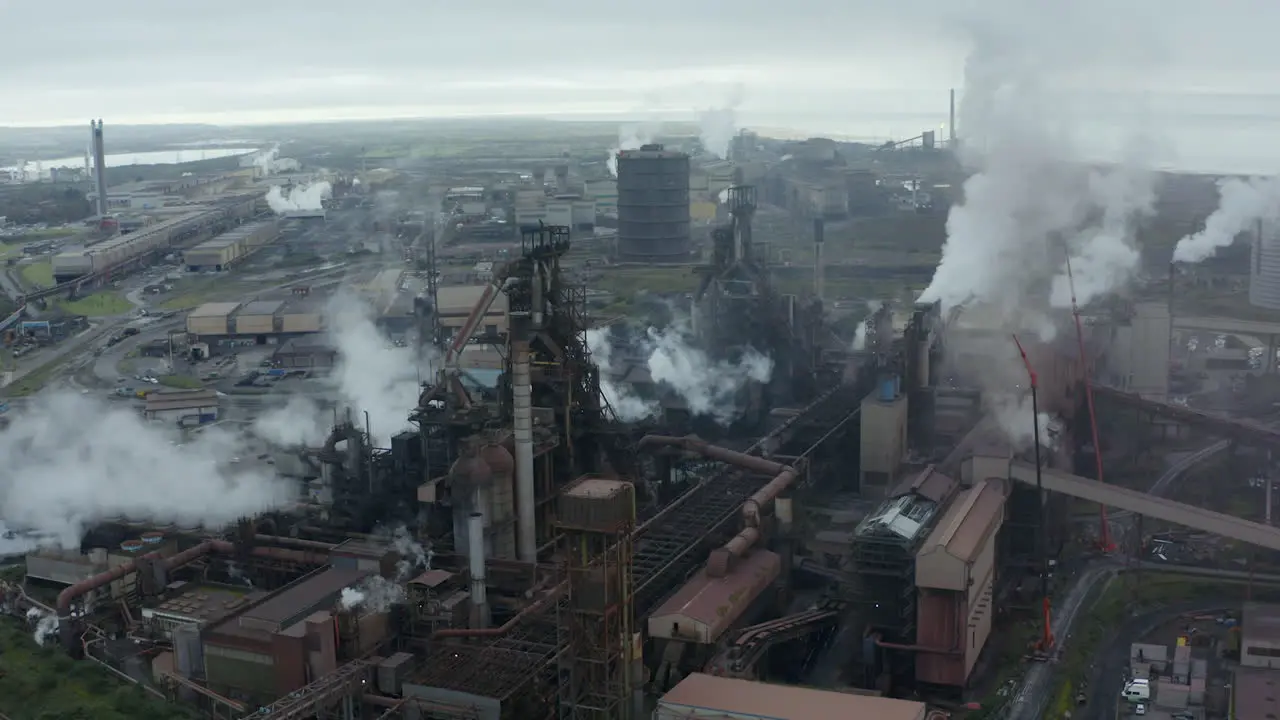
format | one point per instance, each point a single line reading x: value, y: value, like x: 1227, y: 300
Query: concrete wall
x: 884, y: 440
x: 1149, y: 353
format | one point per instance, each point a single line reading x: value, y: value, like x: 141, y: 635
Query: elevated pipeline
x: 66, y: 624
x: 752, y: 507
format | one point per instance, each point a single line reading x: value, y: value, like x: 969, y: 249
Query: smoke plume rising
x: 45, y: 624
x: 631, y: 137
x: 1241, y: 204
x: 73, y: 461
x: 377, y: 594
x: 1032, y: 200
x: 627, y: 406
x: 708, y: 387
x: 301, y: 197
x: 370, y: 375
x: 265, y: 161
x: 717, y: 126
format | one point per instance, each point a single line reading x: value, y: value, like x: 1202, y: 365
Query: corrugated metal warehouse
x: 955, y: 578
x: 210, y: 318
x: 256, y: 318
x: 230, y: 247
x: 187, y: 407
x: 305, y: 352
x: 708, y: 696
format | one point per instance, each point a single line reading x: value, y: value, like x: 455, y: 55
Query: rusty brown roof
x: 719, y: 602
x: 928, y: 483
x: 968, y: 521
x: 698, y: 695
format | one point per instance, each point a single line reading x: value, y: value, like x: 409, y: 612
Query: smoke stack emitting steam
x: 1030, y: 202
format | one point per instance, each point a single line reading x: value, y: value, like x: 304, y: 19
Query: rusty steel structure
x: 596, y: 519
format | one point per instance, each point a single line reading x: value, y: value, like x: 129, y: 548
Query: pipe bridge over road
x: 1151, y: 506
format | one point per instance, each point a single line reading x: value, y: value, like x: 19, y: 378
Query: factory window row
x: 167, y: 625
x: 1262, y: 651
x: 237, y: 654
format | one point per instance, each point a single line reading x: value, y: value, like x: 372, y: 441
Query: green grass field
x: 99, y: 304
x: 42, y: 683
x: 38, y: 274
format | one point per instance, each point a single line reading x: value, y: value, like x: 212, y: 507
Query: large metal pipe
x: 284, y: 541
x: 475, y: 556
x: 522, y: 407
x: 186, y: 557
x: 784, y: 475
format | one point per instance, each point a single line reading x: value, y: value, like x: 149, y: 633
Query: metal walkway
x: 1151, y: 506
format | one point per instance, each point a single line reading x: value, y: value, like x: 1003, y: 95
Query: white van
x: 1137, y: 691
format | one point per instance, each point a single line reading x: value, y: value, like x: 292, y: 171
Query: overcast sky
x: 798, y: 63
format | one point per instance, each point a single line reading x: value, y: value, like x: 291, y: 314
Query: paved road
x: 1033, y: 694
x: 1108, y: 675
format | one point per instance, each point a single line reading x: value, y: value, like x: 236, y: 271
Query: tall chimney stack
x: 951, y: 124
x: 99, y: 166
x: 819, y: 267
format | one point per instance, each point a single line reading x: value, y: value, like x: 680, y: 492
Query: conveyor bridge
x: 1151, y: 506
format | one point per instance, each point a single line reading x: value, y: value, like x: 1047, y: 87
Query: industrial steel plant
x: 578, y: 518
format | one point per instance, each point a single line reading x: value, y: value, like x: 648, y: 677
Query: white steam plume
x: 377, y: 594
x: 717, y: 126
x: 301, y: 421
x: 301, y: 197
x: 45, y: 624
x: 708, y: 387
x: 1241, y: 204
x: 265, y: 161
x: 73, y: 461
x: 371, y: 373
x: 1032, y: 198
x: 631, y: 137
x: 627, y: 406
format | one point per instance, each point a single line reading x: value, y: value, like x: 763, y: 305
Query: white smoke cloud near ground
x: 371, y: 375
x: 73, y: 461
x: 631, y: 137
x: 265, y: 161
x: 1241, y: 203
x: 301, y: 197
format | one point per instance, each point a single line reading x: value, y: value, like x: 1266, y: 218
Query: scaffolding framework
x: 597, y: 516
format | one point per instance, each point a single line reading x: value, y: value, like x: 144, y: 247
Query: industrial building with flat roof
x: 229, y: 248
x: 258, y: 318
x: 185, y: 407
x: 276, y: 643
x: 708, y: 696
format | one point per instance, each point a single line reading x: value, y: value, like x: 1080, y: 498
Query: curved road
x: 1033, y: 694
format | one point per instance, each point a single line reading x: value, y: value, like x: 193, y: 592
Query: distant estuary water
x: 34, y: 169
